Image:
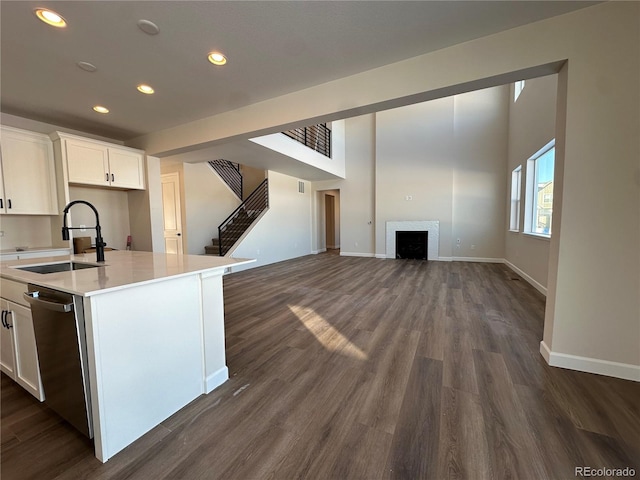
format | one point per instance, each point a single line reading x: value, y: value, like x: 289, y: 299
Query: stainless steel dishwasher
x: 58, y: 324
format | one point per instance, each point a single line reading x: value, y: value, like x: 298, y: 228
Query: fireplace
x: 411, y: 244
x: 431, y: 226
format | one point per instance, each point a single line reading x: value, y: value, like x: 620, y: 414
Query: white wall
x: 284, y: 231
x: 532, y: 125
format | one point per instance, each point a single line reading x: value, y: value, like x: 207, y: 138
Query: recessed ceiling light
x: 148, y: 27
x: 217, y: 58
x: 50, y: 17
x: 145, y: 89
x: 87, y: 67
x: 101, y: 109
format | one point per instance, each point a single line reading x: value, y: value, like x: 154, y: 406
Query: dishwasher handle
x: 34, y: 299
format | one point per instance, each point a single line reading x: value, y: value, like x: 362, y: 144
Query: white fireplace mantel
x: 431, y: 226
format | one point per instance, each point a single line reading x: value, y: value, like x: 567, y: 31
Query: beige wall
x: 25, y: 231
x: 251, y: 179
x: 448, y: 156
x: 284, y: 231
x: 532, y: 125
x: 113, y: 208
x: 357, y: 198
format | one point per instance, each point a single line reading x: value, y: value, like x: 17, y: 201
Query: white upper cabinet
x: 97, y: 163
x: 27, y: 173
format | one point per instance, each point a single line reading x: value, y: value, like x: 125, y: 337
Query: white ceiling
x: 273, y: 48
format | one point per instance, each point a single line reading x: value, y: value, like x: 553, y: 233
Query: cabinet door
x: 7, y: 349
x: 126, y: 169
x: 28, y: 174
x: 26, y: 354
x: 87, y: 163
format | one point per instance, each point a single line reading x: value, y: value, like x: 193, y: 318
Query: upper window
x: 516, y: 182
x: 539, y: 201
x: 517, y: 90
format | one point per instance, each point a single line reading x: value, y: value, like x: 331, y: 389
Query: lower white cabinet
x: 19, y: 355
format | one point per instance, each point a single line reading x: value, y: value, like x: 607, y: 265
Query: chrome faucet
x: 65, y: 230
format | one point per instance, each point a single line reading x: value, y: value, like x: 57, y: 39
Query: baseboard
x: 356, y: 254
x: 535, y: 284
x: 381, y: 255
x: 590, y: 365
x: 216, y: 379
x: 315, y: 252
x: 478, y: 259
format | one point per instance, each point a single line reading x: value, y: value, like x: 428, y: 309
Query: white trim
x: 590, y: 365
x: 534, y: 283
x: 381, y: 255
x: 315, y: 252
x: 478, y: 259
x: 538, y: 236
x: 216, y: 379
x: 359, y: 254
x: 444, y: 259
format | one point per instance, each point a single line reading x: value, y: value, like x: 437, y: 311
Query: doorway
x: 331, y: 216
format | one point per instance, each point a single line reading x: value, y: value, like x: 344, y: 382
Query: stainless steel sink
x: 57, y: 267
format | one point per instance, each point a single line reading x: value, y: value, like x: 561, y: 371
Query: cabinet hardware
x: 1, y: 206
x: 113, y: 177
x: 107, y: 176
x: 9, y: 202
x: 6, y: 318
x: 4, y: 324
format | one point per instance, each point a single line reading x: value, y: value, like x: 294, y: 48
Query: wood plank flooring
x: 356, y: 368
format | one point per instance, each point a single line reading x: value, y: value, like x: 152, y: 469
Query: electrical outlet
x: 458, y: 242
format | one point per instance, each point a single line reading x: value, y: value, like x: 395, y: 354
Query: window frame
x: 531, y: 198
x: 515, y: 199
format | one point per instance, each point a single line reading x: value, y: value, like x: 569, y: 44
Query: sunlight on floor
x: 330, y: 338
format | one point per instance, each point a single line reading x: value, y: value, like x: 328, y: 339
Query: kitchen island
x: 154, y: 334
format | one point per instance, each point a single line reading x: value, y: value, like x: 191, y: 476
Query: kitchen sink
x: 57, y: 267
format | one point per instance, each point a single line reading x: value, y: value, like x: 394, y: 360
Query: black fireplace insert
x: 411, y: 245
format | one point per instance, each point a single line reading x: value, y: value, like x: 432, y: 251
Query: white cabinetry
x: 19, y: 356
x: 27, y: 174
x: 91, y: 162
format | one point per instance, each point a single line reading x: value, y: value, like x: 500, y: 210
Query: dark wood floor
x: 354, y: 368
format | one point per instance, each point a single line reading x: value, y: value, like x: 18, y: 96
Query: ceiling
x: 273, y: 48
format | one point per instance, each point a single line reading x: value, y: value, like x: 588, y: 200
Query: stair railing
x: 230, y: 173
x: 243, y: 216
x: 317, y: 137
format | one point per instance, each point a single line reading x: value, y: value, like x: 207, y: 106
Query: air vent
x: 300, y: 187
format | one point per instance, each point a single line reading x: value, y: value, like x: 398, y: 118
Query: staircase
x: 236, y: 224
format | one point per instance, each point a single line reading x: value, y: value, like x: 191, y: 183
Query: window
x: 517, y: 90
x: 516, y: 181
x: 539, y: 206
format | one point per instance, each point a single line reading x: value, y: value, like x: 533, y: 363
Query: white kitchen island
x: 154, y: 335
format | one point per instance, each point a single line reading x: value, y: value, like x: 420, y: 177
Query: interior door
x: 330, y: 220
x: 171, y: 212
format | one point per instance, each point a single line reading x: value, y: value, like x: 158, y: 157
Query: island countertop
x: 121, y: 269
